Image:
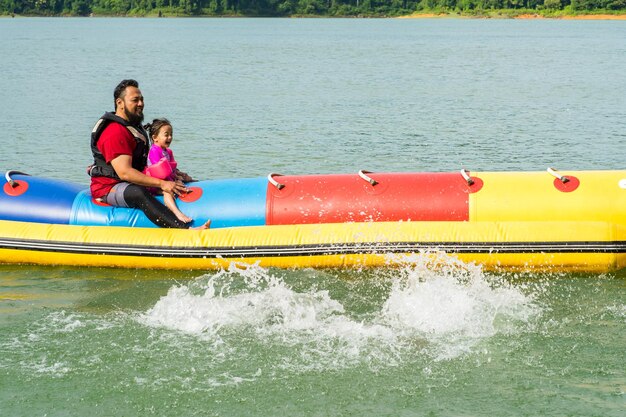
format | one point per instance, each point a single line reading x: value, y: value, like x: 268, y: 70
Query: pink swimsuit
x: 161, y: 163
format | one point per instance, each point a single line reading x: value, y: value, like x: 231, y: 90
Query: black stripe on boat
x: 314, y: 249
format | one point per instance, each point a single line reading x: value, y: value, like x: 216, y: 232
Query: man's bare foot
x: 203, y: 227
x: 183, y: 218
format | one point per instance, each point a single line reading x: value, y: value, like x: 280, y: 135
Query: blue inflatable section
x: 228, y: 203
x: 44, y: 201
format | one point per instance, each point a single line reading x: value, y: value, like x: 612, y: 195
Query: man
x: 120, y: 146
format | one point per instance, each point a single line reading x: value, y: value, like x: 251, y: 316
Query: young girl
x: 161, y: 162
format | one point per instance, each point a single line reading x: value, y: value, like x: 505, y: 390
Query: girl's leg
x: 170, y: 203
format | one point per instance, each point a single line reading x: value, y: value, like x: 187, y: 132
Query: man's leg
x: 126, y: 194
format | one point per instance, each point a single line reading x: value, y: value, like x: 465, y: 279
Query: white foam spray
x: 435, y: 304
x: 453, y: 305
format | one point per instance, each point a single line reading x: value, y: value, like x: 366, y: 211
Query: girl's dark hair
x: 156, y: 125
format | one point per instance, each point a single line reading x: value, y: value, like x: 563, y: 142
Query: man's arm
x: 122, y: 165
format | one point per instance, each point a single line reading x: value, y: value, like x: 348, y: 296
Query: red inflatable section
x: 350, y: 198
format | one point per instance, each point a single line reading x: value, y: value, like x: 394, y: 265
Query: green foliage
x: 301, y: 7
x: 552, y: 4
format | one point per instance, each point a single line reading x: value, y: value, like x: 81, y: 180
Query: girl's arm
x: 180, y: 175
x: 183, y: 176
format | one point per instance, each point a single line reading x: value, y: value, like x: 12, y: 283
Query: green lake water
x: 296, y: 96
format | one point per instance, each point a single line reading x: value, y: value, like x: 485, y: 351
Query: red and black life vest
x: 100, y: 168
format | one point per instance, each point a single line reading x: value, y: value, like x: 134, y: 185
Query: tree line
x: 294, y: 7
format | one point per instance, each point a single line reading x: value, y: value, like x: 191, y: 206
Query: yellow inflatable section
x: 534, y: 196
x: 585, y: 246
x: 517, y: 221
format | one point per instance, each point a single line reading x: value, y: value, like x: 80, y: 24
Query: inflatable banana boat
x: 502, y: 220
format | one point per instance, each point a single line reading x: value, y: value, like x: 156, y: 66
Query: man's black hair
x: 121, y: 87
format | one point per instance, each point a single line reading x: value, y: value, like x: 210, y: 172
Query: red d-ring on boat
x: 19, y: 187
x: 568, y: 186
x: 476, y: 185
x: 192, y: 195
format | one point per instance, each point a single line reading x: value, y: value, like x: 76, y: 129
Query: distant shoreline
x: 497, y: 15
x: 578, y: 17
x: 491, y: 14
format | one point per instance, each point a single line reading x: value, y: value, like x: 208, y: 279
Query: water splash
x: 453, y: 305
x: 435, y: 306
x: 245, y: 296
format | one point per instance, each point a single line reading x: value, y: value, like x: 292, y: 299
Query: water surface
x: 296, y: 96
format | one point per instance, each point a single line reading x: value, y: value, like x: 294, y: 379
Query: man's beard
x: 134, y: 119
